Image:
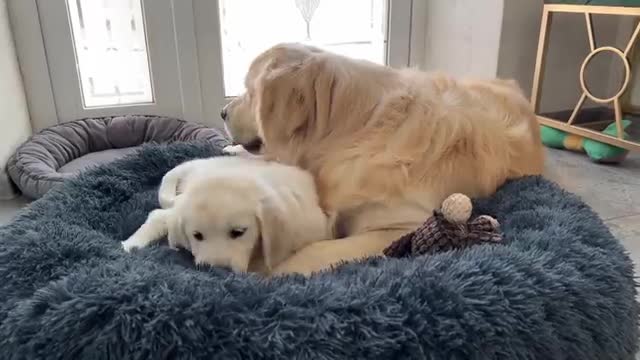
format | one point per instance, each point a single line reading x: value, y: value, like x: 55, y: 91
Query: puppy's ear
x: 293, y: 99
x: 278, y: 239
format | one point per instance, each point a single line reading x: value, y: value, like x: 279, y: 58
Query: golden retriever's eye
x: 237, y: 232
x: 198, y: 235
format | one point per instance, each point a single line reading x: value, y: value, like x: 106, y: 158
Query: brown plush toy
x: 449, y: 228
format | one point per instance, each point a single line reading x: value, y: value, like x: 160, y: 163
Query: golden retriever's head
x: 294, y: 92
x: 240, y: 123
x: 241, y: 115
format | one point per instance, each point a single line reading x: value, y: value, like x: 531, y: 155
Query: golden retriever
x: 385, y: 146
x: 245, y: 214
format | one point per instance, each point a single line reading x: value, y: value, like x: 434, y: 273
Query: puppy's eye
x: 237, y: 232
x: 198, y: 235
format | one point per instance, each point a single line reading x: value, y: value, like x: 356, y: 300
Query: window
x: 355, y: 28
x: 185, y: 58
x: 111, y: 52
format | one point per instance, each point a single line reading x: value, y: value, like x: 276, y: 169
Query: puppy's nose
x: 223, y: 113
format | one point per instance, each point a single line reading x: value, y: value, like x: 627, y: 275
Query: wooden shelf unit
x: 543, y: 42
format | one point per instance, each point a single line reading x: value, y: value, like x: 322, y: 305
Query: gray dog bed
x: 560, y: 287
x: 61, y: 151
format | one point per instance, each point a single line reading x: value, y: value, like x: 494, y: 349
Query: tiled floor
x: 8, y: 208
x: 612, y: 191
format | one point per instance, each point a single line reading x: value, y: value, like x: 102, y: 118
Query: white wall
x: 14, y: 117
x: 463, y: 36
x: 490, y: 38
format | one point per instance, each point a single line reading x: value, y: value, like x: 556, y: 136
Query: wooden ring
x: 627, y: 74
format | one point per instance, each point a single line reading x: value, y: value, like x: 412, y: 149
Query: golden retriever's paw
x: 309, y: 260
x: 286, y: 270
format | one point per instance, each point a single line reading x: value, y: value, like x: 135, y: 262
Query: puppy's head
x: 233, y: 222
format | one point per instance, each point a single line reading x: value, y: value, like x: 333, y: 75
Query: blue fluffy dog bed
x: 561, y: 288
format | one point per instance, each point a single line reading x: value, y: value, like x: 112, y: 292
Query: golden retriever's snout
x: 254, y: 146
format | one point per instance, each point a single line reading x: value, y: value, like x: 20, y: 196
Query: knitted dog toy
x: 449, y: 228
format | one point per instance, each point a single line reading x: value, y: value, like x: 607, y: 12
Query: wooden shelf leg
x: 574, y: 114
x: 592, y: 39
x: 543, y: 44
x: 618, y: 112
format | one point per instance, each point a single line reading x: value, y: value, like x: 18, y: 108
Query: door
x: 185, y: 58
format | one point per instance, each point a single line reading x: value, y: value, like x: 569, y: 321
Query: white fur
x: 239, y: 150
x: 276, y: 204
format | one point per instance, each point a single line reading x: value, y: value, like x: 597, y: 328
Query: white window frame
x: 185, y: 58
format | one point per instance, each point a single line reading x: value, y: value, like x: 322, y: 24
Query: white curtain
x: 14, y: 116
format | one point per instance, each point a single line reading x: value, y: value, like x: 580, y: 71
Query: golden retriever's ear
x: 276, y: 234
x: 293, y: 100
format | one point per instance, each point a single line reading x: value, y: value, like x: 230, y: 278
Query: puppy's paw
x: 173, y: 245
x: 235, y: 150
x: 132, y: 243
x: 166, y: 201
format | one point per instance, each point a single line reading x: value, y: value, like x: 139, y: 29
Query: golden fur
x: 385, y: 146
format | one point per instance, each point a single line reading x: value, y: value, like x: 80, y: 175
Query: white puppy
x: 243, y: 213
